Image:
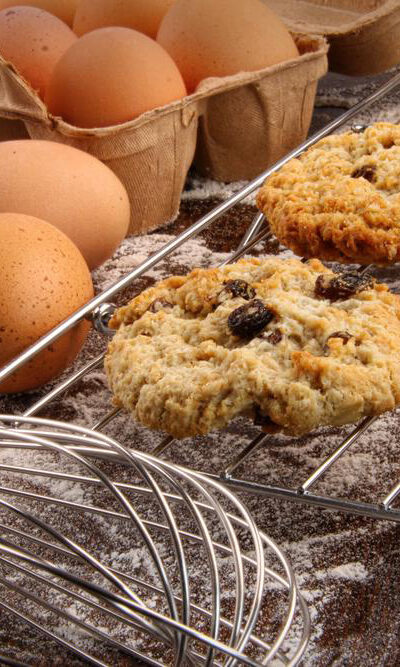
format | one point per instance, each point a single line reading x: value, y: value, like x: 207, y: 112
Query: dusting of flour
x: 337, y: 558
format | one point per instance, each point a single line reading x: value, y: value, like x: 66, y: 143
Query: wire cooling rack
x: 100, y: 308
x: 57, y: 575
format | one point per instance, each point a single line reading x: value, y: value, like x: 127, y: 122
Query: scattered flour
x: 327, y: 549
x: 347, y: 571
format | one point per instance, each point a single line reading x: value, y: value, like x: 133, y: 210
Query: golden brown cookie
x: 281, y: 341
x: 340, y: 200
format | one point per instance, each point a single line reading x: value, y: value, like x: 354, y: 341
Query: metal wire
x: 382, y: 509
x: 89, y: 308
x: 192, y: 511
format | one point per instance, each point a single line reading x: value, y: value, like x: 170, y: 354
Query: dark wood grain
x: 347, y: 567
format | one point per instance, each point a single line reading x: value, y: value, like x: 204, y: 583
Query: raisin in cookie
x: 289, y: 344
x: 340, y: 200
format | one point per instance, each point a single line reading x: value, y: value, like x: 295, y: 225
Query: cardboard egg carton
x: 363, y: 35
x: 234, y: 127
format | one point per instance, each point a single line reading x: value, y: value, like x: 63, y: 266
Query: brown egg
x: 222, y: 37
x: 68, y: 188
x: 111, y: 76
x: 142, y: 15
x: 33, y: 41
x: 44, y: 278
x: 64, y: 9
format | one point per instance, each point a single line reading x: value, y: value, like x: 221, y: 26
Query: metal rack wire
x: 99, y: 308
x: 55, y: 576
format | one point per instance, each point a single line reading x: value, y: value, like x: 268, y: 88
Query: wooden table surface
x: 347, y: 566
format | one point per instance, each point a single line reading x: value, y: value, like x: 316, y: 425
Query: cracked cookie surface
x: 292, y: 345
x: 340, y: 200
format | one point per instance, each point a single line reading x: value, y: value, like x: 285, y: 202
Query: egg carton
x: 363, y: 35
x: 259, y: 115
x: 100, y: 309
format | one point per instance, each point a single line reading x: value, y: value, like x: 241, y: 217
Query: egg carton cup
x: 234, y: 127
x: 363, y: 35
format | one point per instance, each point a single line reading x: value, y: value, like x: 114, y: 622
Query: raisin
x: 235, y: 288
x: 342, y: 286
x: 159, y: 304
x: 274, y: 337
x: 248, y: 320
x: 367, y: 172
x: 344, y: 335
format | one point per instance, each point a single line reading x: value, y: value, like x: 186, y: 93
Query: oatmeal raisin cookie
x: 292, y: 345
x: 340, y: 200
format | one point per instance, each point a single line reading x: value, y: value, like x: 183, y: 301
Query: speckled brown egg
x: 68, y: 188
x: 142, y: 15
x: 33, y: 41
x: 111, y: 76
x: 208, y: 38
x: 44, y: 278
x: 64, y: 9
